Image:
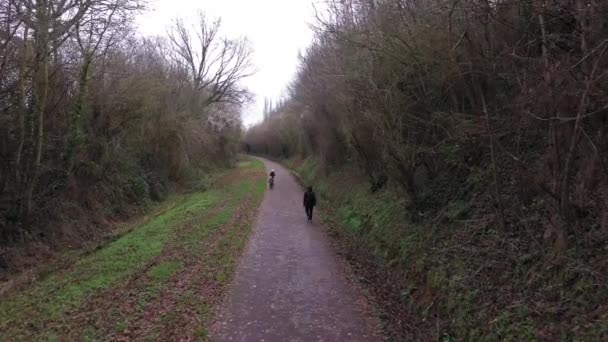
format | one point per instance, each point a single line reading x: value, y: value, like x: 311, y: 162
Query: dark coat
x: 309, y: 199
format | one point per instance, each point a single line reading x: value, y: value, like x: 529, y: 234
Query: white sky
x: 277, y: 30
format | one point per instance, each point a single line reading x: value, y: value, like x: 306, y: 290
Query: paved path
x: 288, y: 286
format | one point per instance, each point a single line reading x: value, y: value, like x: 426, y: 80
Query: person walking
x: 309, y: 202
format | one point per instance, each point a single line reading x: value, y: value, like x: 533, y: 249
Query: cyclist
x: 271, y: 180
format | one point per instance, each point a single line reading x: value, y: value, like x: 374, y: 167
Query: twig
x: 588, y: 54
x: 459, y: 41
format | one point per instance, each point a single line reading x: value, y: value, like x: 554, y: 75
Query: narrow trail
x: 289, y: 286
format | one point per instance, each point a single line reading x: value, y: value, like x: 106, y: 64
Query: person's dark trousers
x: 309, y: 212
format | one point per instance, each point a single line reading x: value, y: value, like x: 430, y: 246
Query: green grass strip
x: 129, y: 254
x: 98, y: 271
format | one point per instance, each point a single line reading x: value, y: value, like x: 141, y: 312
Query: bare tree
x: 216, y: 64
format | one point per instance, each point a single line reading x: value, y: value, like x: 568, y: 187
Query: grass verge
x: 152, y: 256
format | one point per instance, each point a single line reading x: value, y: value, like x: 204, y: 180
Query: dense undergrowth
x: 456, y: 275
x: 70, y: 221
x: 98, y: 123
x: 192, y: 243
x: 464, y: 146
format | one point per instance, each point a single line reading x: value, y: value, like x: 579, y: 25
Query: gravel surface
x: 289, y: 285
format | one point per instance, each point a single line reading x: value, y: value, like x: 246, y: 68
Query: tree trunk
x: 499, y: 204
x: 77, y: 115
x: 39, y: 97
x: 22, y: 108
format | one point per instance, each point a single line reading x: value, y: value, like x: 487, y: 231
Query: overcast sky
x: 277, y: 30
